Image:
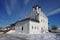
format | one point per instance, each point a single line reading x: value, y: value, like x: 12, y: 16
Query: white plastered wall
x: 25, y: 25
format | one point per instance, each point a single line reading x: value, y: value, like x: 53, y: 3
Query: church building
x: 35, y: 23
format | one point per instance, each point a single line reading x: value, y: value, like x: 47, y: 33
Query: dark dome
x: 36, y: 6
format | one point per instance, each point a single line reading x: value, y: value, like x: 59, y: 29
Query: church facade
x: 35, y: 23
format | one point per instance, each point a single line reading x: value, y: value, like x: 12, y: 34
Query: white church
x: 35, y: 23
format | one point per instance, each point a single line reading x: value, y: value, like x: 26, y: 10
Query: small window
x: 22, y: 28
x: 42, y: 20
x: 35, y: 27
x: 32, y: 27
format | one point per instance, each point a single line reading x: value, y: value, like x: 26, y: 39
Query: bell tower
x: 36, y: 10
x: 35, y: 14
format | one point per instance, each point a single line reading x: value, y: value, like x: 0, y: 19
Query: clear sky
x: 14, y: 10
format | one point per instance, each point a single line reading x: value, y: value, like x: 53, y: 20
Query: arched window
x: 22, y: 28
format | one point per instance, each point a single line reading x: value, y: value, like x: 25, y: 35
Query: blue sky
x: 14, y: 10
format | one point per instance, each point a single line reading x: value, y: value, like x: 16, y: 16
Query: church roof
x: 30, y: 19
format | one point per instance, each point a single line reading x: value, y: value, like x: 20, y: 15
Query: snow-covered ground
x: 47, y: 36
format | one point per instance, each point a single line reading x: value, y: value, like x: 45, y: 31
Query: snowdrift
x: 18, y: 36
